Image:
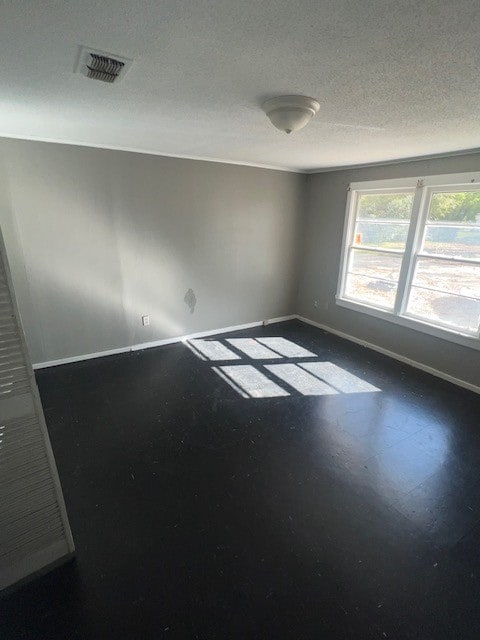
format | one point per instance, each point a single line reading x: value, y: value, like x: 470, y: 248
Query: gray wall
x: 98, y: 238
x: 324, y: 219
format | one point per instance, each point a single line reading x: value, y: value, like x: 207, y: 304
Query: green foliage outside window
x: 456, y: 208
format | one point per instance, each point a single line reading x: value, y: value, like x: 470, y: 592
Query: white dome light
x: 290, y: 113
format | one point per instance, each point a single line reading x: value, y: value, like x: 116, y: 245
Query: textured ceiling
x: 407, y: 73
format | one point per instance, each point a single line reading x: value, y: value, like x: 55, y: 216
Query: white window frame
x: 424, y: 187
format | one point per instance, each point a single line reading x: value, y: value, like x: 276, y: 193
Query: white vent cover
x: 103, y: 66
x: 34, y: 530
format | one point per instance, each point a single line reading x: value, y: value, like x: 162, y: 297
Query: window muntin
x: 414, y: 252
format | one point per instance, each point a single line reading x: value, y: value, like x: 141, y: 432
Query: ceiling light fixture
x: 290, y: 113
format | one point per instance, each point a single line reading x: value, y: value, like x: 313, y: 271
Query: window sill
x: 451, y: 336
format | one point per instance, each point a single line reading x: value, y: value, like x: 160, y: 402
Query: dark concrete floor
x: 200, y: 513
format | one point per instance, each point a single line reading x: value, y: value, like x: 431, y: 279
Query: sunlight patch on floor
x: 300, y: 380
x: 308, y: 377
x: 253, y: 382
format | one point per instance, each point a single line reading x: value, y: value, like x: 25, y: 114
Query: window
x: 411, y: 254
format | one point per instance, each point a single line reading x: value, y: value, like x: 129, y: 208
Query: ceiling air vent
x: 103, y: 68
x: 99, y: 65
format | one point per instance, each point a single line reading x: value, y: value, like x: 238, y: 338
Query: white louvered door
x: 34, y: 529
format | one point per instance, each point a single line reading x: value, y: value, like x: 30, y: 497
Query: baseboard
x: 159, y: 343
x: 393, y: 354
x: 249, y: 325
x: 86, y: 356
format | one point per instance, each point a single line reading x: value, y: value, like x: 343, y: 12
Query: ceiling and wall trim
x: 149, y: 152
x: 383, y: 163
x: 239, y: 163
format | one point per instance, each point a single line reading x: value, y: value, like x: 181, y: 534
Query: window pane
x: 461, y: 207
x: 455, y: 242
x: 443, y: 308
x: 457, y: 278
x: 453, y: 225
x: 371, y: 291
x: 384, y: 235
x: 385, y: 206
x: 376, y: 264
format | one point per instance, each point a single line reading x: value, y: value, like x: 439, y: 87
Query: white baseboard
x: 86, y: 356
x: 395, y: 356
x: 159, y: 343
x: 249, y: 325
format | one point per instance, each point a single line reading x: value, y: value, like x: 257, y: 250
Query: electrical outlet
x: 315, y: 304
x: 145, y: 321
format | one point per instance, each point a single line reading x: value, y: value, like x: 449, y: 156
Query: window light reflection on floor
x: 253, y: 382
x: 300, y: 380
x: 212, y: 349
x: 338, y: 378
x: 253, y: 349
x: 308, y: 377
x: 286, y: 348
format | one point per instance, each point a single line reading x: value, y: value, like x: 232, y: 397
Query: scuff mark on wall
x: 190, y: 300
